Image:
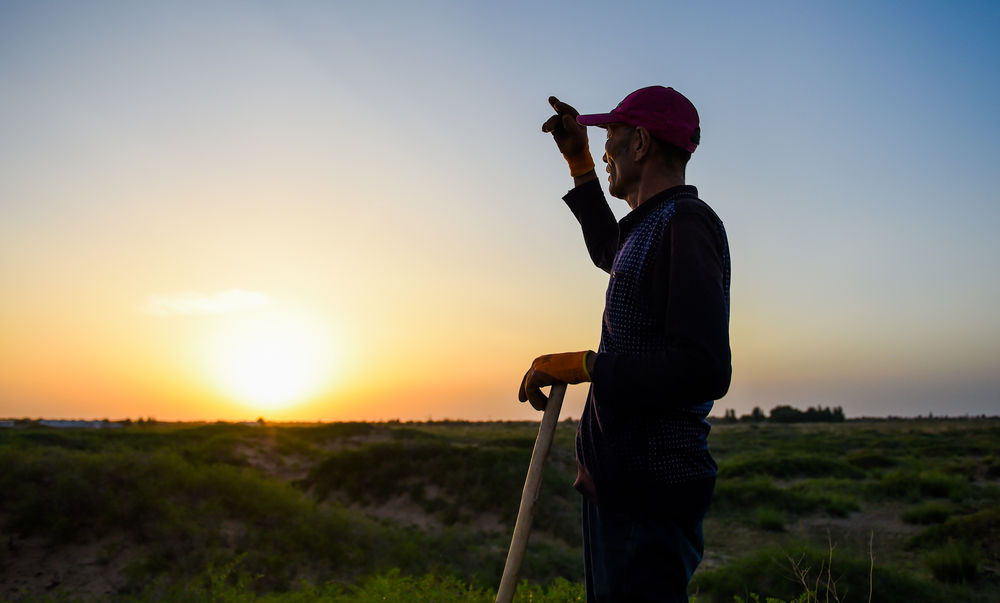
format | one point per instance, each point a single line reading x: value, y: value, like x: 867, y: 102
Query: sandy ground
x: 35, y: 565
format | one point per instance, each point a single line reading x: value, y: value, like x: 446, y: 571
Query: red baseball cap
x: 665, y: 112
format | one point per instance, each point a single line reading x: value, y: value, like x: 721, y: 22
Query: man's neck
x: 653, y: 183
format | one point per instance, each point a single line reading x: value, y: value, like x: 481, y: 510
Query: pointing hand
x: 570, y: 137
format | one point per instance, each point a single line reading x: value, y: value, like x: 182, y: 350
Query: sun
x: 270, y: 362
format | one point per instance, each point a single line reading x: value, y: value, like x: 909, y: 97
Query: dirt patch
x: 262, y: 454
x: 34, y: 566
x: 263, y: 458
x: 401, y: 510
x: 878, y: 527
x: 377, y: 435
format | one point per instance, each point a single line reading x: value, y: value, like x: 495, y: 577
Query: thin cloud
x: 222, y: 302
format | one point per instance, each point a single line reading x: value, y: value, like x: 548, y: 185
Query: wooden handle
x: 532, y: 484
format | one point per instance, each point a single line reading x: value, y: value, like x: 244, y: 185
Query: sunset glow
x: 270, y: 363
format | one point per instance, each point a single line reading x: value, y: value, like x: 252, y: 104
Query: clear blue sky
x: 382, y: 162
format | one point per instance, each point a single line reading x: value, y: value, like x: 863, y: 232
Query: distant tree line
x: 788, y: 414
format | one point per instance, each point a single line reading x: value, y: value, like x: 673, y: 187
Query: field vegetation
x: 842, y: 511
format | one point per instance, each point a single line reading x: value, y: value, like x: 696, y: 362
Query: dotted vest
x: 643, y: 450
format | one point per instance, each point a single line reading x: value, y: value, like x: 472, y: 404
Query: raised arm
x: 600, y: 228
x: 586, y: 200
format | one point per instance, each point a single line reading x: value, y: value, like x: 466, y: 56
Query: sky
x: 347, y: 210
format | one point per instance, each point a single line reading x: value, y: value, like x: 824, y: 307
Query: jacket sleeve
x: 688, y: 285
x: 600, y: 228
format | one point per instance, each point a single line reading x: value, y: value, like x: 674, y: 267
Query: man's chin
x: 614, y: 190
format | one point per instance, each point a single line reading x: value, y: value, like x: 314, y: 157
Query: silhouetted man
x: 644, y: 468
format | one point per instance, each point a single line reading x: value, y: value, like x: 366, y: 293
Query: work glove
x: 570, y: 137
x: 568, y: 367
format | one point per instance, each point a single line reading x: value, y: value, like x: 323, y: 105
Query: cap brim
x: 597, y: 119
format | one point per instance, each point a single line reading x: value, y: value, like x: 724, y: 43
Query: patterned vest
x: 643, y: 451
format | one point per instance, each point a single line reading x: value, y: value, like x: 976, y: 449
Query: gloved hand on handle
x: 570, y: 137
x: 568, y: 367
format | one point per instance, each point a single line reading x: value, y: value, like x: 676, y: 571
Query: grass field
x: 909, y: 510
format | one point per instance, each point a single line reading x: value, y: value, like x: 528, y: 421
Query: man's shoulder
x: 694, y: 207
x: 691, y: 204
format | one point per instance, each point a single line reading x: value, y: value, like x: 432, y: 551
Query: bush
x: 786, y: 574
x: 953, y: 563
x: 872, y: 459
x: 914, y: 486
x: 991, y: 467
x: 770, y: 519
x: 930, y: 512
x: 835, y: 496
x: 980, y: 530
x: 784, y: 465
x: 739, y: 495
x: 805, y: 597
x: 428, y: 589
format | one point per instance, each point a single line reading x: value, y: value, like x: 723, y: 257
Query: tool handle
x: 532, y: 484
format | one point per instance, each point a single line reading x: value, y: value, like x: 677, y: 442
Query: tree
x: 787, y: 414
x: 813, y: 414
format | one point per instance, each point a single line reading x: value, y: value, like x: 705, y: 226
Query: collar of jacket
x: 636, y: 216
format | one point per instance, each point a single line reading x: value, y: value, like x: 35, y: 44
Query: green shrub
x: 786, y: 574
x: 805, y: 597
x: 840, y: 506
x: 427, y: 589
x: 925, y: 513
x: 783, y: 465
x: 737, y: 496
x: 953, y: 563
x: 836, y: 497
x: 979, y: 530
x: 770, y: 519
x: 872, y: 459
x: 916, y: 486
x: 991, y: 467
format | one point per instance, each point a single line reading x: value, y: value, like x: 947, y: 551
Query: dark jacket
x: 664, y: 355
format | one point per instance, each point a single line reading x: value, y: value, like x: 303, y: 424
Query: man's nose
x: 604, y: 158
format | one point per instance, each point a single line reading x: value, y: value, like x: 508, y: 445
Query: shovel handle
x: 532, y: 484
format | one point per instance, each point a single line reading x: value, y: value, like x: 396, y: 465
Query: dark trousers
x: 638, y: 558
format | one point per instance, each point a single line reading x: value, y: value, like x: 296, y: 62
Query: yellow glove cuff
x: 568, y: 367
x: 581, y: 163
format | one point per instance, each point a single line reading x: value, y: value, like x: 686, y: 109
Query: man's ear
x: 642, y: 143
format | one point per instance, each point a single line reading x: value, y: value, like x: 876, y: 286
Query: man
x: 644, y: 468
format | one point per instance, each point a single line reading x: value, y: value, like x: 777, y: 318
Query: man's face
x: 622, y: 172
